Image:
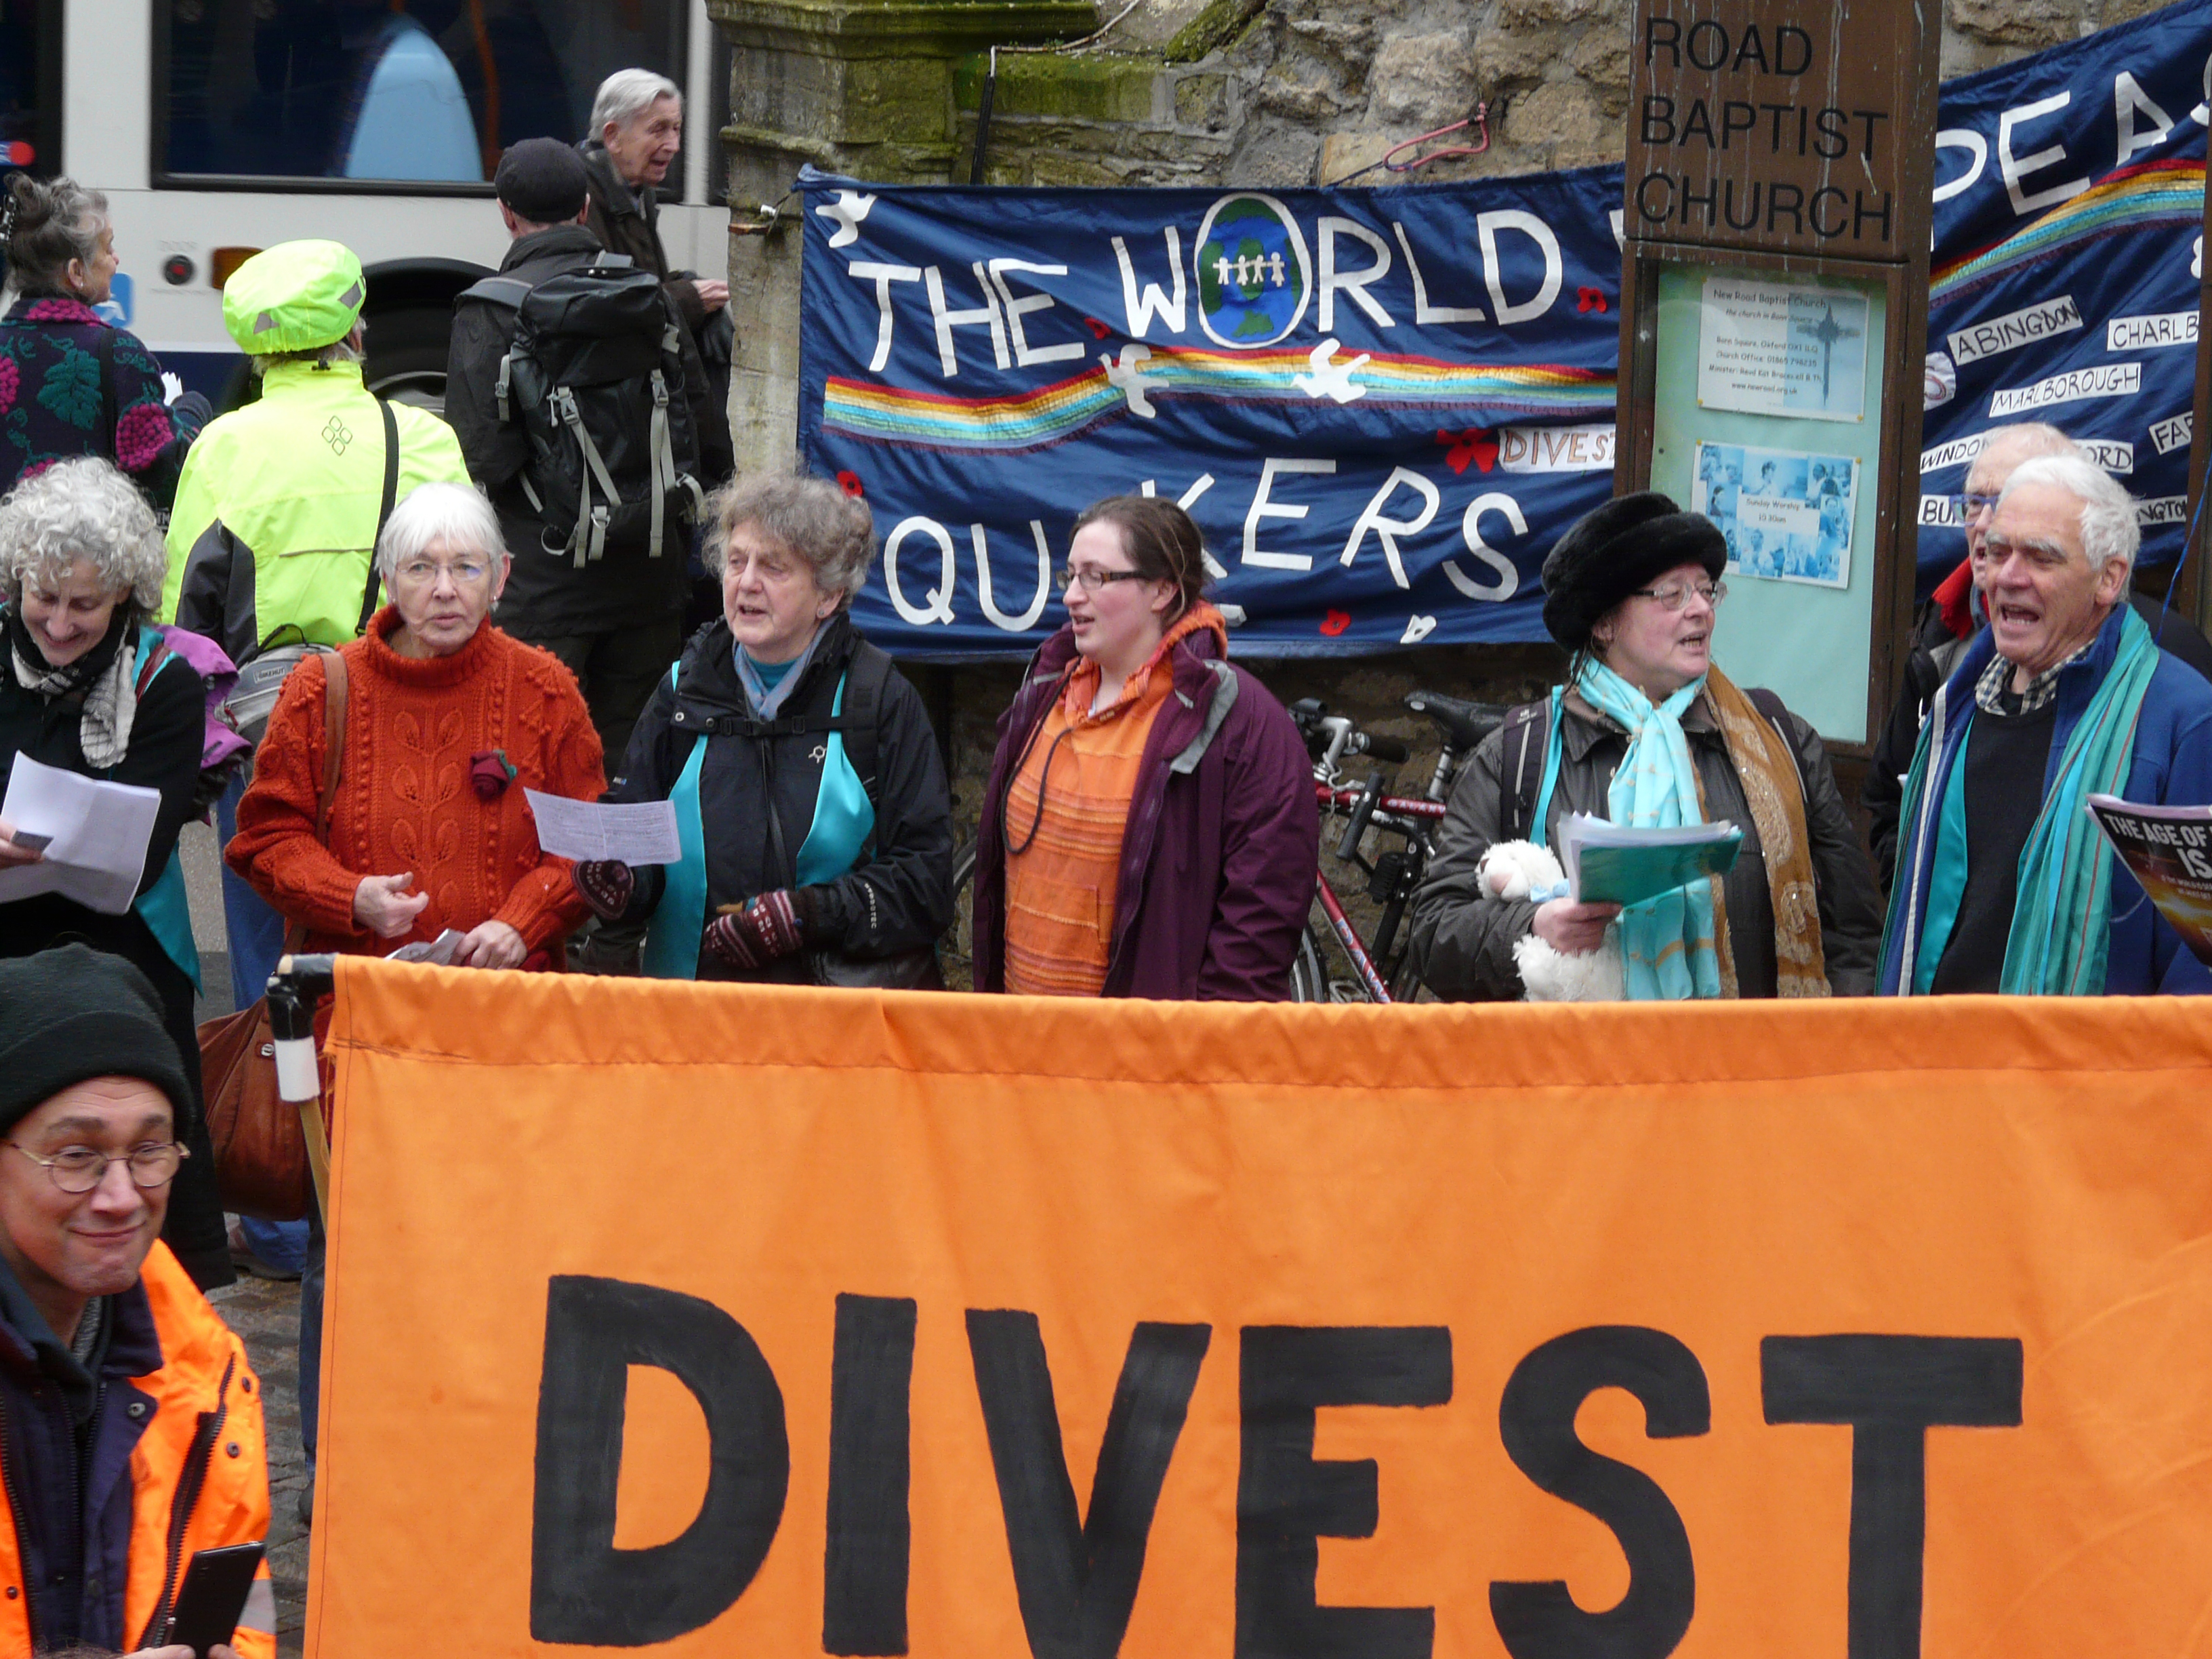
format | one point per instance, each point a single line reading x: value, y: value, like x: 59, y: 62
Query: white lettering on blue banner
x: 2105, y: 381
x: 1995, y: 335
x: 2146, y: 333
x: 2168, y: 435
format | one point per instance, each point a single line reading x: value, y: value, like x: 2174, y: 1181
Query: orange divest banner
x: 784, y: 1322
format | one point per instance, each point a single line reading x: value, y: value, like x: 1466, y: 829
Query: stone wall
x: 1258, y: 93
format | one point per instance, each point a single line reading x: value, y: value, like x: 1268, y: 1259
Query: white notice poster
x: 1785, y: 515
x: 1781, y: 348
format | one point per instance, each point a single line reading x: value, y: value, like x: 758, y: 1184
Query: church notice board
x: 703, y: 1320
x: 1774, y: 304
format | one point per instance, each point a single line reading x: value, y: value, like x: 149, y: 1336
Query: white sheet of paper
x: 635, y: 832
x: 100, y: 832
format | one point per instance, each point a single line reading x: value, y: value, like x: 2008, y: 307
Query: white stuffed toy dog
x: 1520, y: 869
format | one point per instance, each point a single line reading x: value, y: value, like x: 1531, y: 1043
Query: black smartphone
x: 213, y: 1596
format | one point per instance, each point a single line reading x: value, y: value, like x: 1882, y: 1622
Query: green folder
x: 1614, y: 864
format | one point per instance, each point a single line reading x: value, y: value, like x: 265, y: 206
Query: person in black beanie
x: 111, y: 1361
x: 1647, y: 732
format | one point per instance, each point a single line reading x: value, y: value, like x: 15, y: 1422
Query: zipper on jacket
x: 189, y: 1482
x: 14, y: 1495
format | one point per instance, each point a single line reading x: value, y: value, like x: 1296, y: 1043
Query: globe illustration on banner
x: 1254, y: 275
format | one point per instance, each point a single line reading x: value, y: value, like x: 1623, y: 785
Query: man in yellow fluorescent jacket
x: 272, y: 537
x: 130, y: 1430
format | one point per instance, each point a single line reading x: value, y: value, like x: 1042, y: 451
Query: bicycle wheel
x: 1308, y: 978
x: 956, y: 946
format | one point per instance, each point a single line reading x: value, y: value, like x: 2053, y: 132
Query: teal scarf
x: 1667, y: 943
x: 2062, y: 927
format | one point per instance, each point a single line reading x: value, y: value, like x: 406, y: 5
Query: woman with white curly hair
x: 89, y: 685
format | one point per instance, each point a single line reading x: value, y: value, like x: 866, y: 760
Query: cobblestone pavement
x: 267, y: 1315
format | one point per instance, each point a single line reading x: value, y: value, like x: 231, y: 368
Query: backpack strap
x: 1528, y: 736
x: 865, y: 677
x: 1768, y: 704
x: 374, y: 591
x: 508, y: 291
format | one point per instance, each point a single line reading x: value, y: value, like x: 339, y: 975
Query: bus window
x: 426, y: 91
x: 30, y: 85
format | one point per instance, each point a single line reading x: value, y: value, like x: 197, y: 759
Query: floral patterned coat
x: 72, y: 385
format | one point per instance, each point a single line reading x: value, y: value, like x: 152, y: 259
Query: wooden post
x: 1775, y: 235
x: 2195, y: 597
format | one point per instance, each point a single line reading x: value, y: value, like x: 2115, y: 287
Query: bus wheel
x: 407, y: 357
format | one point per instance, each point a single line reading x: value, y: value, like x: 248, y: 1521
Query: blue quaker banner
x: 2070, y: 201
x: 1381, y: 405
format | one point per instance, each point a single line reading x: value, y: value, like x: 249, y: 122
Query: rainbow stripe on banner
x: 2132, y: 198
x: 1120, y: 386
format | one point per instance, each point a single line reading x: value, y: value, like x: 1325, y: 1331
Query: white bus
x: 219, y: 127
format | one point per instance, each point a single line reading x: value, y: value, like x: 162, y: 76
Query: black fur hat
x: 1611, y: 552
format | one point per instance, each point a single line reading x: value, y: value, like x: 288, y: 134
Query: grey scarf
x: 111, y: 702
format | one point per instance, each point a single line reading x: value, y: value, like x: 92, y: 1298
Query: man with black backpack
x: 584, y: 413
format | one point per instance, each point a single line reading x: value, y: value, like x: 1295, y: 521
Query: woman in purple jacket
x: 1149, y: 830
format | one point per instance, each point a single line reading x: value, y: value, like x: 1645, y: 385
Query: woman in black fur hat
x: 1647, y: 730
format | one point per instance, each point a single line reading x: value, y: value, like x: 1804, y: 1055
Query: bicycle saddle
x: 1465, y: 724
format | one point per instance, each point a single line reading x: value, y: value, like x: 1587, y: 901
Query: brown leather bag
x: 260, y: 1149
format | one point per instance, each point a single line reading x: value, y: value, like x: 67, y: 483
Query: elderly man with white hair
x: 1948, y: 621
x: 2003, y: 881
x: 637, y: 133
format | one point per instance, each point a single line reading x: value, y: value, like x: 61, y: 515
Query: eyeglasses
x: 423, y: 572
x: 1675, y: 595
x: 1091, y: 578
x: 1970, y: 507
x: 78, y: 1169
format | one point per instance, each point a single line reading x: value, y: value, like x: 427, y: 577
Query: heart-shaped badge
x: 1416, y: 629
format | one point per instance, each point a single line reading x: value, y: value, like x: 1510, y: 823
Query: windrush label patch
x: 2104, y: 380
x: 1555, y: 449
x: 2152, y: 330
x: 2168, y: 435
x: 2163, y: 509
x: 1997, y: 335
x: 1957, y: 452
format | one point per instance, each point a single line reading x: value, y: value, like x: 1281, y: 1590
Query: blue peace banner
x: 2070, y: 201
x: 1383, y: 406
x: 1379, y: 405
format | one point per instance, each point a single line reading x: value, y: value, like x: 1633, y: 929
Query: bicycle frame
x: 1366, y: 807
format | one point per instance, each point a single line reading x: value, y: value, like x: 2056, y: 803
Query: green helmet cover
x: 296, y: 296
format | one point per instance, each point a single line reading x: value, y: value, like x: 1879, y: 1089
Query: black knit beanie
x: 1611, y: 552
x: 74, y: 1013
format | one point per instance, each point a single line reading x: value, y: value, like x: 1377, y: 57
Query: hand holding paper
x: 96, y: 832
x: 630, y: 832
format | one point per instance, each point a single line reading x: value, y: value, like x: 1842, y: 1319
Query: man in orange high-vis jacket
x: 130, y: 1433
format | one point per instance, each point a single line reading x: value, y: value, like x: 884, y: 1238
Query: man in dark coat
x: 616, y: 624
x: 637, y: 131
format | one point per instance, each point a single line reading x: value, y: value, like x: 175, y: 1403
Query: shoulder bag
x: 260, y: 1149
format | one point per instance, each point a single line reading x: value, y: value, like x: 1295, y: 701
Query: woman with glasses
x: 1647, y: 730
x: 89, y: 685
x: 811, y: 807
x: 1149, y: 827
x: 447, y: 722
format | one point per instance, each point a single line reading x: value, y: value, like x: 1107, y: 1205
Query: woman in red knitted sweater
x: 447, y: 721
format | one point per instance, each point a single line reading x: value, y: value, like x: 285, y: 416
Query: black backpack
x: 595, y: 378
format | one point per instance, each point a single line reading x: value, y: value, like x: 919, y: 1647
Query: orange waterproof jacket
x: 200, y: 1474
